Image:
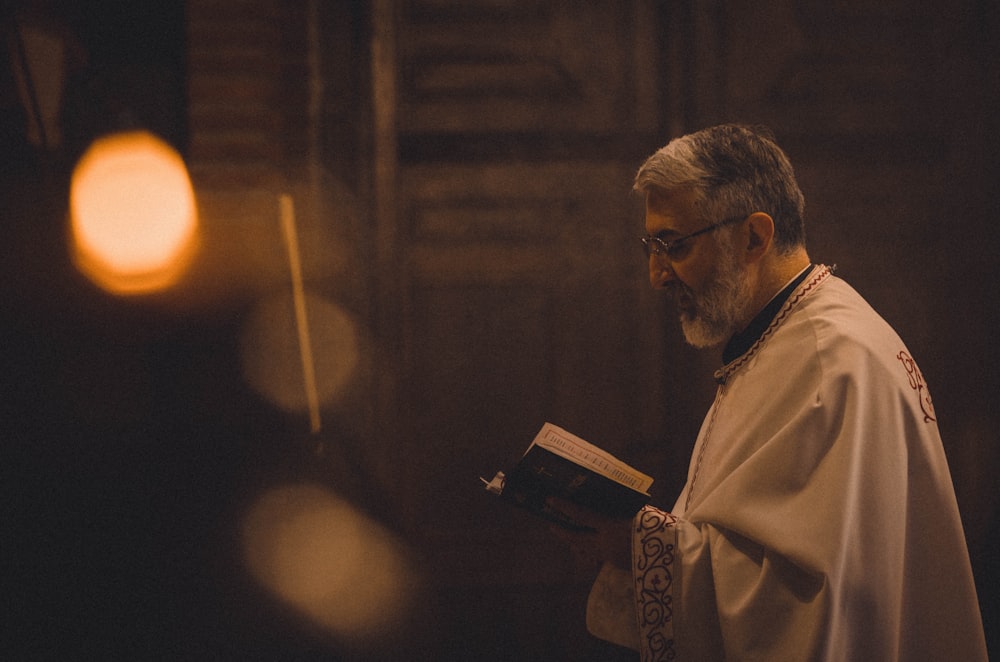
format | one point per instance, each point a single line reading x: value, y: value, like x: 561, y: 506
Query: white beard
x: 712, y: 316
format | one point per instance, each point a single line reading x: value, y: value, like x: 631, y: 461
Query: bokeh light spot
x: 271, y: 359
x: 133, y: 216
x: 341, y: 569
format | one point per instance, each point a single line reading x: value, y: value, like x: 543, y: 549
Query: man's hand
x: 609, y: 541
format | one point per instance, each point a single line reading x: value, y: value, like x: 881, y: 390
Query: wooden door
x: 511, y: 286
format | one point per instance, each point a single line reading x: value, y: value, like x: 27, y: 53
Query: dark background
x: 132, y: 444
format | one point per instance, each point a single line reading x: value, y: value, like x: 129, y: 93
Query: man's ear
x: 760, y: 230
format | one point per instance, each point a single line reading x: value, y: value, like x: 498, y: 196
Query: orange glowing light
x: 132, y: 214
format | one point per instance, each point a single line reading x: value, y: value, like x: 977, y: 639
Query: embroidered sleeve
x: 653, y: 551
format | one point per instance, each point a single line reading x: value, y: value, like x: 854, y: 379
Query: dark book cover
x: 541, y: 474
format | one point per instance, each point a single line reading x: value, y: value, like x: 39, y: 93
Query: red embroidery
x: 918, y: 384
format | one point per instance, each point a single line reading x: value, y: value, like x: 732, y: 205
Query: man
x: 818, y: 521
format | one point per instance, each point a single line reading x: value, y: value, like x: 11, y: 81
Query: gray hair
x: 733, y: 169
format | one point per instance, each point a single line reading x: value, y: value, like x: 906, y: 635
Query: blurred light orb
x: 133, y: 218
x: 339, y: 568
x: 272, y: 359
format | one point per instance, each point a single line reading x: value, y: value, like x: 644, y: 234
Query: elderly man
x: 818, y: 521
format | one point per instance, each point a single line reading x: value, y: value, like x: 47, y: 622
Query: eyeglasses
x: 673, y: 248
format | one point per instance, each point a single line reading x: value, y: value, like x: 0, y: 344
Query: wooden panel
x: 523, y: 305
x: 523, y: 65
x: 241, y: 96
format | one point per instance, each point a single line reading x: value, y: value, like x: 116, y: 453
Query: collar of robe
x: 742, y: 345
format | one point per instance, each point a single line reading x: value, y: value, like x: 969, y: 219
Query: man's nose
x: 660, y: 272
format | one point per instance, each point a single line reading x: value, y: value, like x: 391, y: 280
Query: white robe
x: 818, y: 521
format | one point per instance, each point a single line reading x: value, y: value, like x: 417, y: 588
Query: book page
x: 571, y: 447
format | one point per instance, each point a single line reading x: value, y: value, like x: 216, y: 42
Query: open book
x: 560, y: 464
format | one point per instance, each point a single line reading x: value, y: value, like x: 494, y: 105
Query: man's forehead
x: 670, y: 211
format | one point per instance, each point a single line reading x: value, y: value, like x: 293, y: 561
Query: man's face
x: 705, y: 275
